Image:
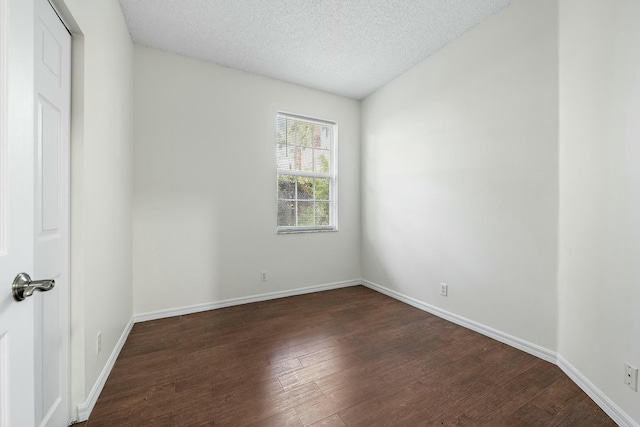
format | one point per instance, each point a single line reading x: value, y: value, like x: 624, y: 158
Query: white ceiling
x: 346, y: 47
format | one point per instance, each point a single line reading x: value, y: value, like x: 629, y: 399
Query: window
x: 306, y: 174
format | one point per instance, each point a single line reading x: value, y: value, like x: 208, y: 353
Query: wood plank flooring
x: 347, y: 357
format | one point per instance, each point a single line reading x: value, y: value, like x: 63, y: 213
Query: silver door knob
x: 24, y: 287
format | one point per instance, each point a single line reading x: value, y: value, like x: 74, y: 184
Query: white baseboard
x: 161, y: 314
x: 84, y: 409
x: 617, y: 414
x: 613, y: 410
x: 511, y: 340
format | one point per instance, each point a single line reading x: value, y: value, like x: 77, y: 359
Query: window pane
x: 326, y: 135
x: 286, y: 187
x: 305, y: 214
x: 322, y: 188
x: 305, y: 187
x: 317, y: 141
x: 291, y: 131
x: 304, y: 159
x: 322, y: 213
x: 305, y: 134
x: 286, y: 157
x: 281, y: 129
x: 286, y: 213
x: 321, y: 158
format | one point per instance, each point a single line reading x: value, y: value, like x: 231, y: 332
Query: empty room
x: 320, y: 213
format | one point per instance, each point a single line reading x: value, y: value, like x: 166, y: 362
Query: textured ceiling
x: 346, y: 47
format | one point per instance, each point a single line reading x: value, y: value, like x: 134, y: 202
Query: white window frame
x: 332, y: 175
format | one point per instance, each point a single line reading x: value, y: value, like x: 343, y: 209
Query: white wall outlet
x: 631, y: 376
x: 263, y: 276
x: 444, y: 289
x: 99, y: 343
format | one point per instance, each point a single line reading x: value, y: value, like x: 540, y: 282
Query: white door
x: 34, y: 203
x: 16, y: 215
x: 51, y: 226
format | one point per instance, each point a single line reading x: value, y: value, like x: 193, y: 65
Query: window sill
x: 305, y: 230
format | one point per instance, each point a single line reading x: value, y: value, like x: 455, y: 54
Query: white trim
x: 503, y: 337
x: 161, y: 314
x: 308, y: 119
x: 84, y: 409
x: 296, y: 230
x: 618, y: 415
x: 4, y: 21
x: 292, y: 172
x: 601, y: 399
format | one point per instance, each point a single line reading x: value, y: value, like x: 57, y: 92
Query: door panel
x: 51, y: 245
x: 50, y: 119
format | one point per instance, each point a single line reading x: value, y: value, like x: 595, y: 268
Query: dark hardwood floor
x: 347, y: 357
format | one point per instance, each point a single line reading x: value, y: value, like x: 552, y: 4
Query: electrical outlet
x: 631, y: 376
x: 444, y: 289
x: 263, y: 276
x: 98, y: 343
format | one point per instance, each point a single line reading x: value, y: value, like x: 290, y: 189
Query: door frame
x: 76, y: 342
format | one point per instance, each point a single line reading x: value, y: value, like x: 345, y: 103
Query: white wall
x: 101, y: 254
x: 459, y: 180
x: 205, y: 185
x: 461, y: 183
x: 599, y: 267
